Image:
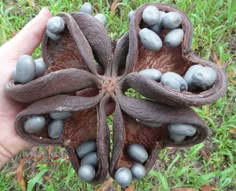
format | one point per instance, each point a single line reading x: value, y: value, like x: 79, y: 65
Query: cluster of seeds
x: 137, y: 171
x: 197, y: 77
x: 178, y: 132
x: 28, y: 69
x: 88, y: 8
x: 157, y: 20
x: 87, y: 153
x: 56, y: 24
x: 200, y: 77
x: 36, y: 123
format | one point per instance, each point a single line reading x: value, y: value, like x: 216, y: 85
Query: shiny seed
x: 157, y: 27
x: 182, y: 129
x: 151, y: 15
x: 34, y: 124
x: 198, y: 76
x: 189, y: 74
x: 14, y: 75
x: 174, y: 38
x: 177, y: 138
x: 86, y: 148
x: 86, y: 173
x: 150, y: 40
x: 204, y: 78
x: 137, y: 152
x: 91, y: 159
x: 60, y: 115
x: 55, y: 129
x: 40, y: 67
x: 130, y: 14
x: 101, y: 18
x: 138, y: 170
x: 152, y: 73
x: 55, y: 25
x: 171, y: 20
x: 174, y: 81
x: 53, y: 36
x: 25, y: 69
x: 162, y: 14
x: 123, y: 176
x: 87, y: 8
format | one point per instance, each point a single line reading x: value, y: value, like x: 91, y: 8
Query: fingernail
x: 44, y: 11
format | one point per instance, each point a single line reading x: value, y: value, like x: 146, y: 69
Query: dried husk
x: 177, y: 59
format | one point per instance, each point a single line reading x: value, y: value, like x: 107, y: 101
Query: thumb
x: 29, y: 37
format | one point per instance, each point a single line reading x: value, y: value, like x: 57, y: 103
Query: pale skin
x: 24, y: 42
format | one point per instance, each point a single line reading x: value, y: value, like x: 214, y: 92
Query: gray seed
x: 91, y: 159
x: 149, y: 124
x: 86, y: 148
x: 34, y: 124
x: 162, y: 14
x: 123, y: 176
x: 189, y: 74
x: 177, y: 138
x: 131, y: 13
x: 14, y: 75
x: 182, y: 129
x: 55, y: 25
x: 86, y: 173
x: 174, y: 37
x: 151, y: 15
x: 25, y: 69
x: 55, y: 129
x: 60, y: 115
x: 174, y: 81
x: 102, y: 19
x: 138, y: 170
x: 171, y: 20
x: 204, y: 78
x: 137, y: 152
x: 150, y: 40
x: 87, y: 8
x: 53, y: 36
x: 157, y: 27
x: 40, y: 67
x: 152, y: 73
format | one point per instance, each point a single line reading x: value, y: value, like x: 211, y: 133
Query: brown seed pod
x: 177, y: 59
x: 87, y: 76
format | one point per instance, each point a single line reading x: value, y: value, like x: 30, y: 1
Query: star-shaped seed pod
x: 176, y: 59
x: 85, y: 81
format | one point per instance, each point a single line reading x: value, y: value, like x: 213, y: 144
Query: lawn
x: 211, y: 163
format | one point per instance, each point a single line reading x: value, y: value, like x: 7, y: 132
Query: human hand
x: 24, y: 42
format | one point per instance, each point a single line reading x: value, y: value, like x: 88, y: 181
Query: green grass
x: 214, y: 31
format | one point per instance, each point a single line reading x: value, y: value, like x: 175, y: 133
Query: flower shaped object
x: 88, y: 75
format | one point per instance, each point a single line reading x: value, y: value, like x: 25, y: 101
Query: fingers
x: 29, y: 37
x: 10, y: 142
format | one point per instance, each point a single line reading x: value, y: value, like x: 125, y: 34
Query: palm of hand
x: 24, y: 42
x: 10, y: 142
